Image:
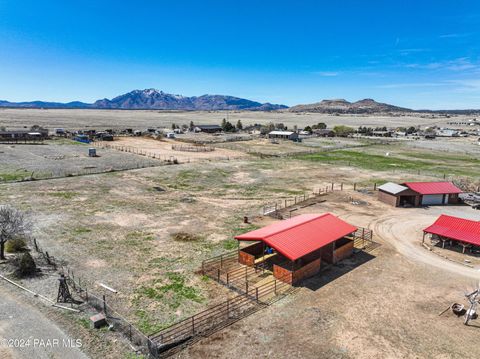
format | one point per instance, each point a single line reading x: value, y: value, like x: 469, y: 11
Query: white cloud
x: 456, y: 65
x: 454, y: 35
x: 327, y: 73
x: 412, y: 84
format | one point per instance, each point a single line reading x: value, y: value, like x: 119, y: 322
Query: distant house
x: 23, y: 135
x: 446, y: 132
x: 324, y: 132
x: 208, y: 128
x: 382, y: 133
x: 284, y: 135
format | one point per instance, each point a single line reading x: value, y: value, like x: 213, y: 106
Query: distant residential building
x: 284, y: 135
x: 382, y: 133
x: 208, y: 128
x: 324, y: 132
x: 446, y: 132
x: 23, y: 135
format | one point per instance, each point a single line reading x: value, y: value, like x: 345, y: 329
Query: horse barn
x: 415, y: 194
x: 295, y: 248
x: 454, y: 230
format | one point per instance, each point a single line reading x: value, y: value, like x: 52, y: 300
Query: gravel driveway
x: 27, y: 333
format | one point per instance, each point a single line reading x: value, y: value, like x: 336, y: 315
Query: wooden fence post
x: 104, y: 305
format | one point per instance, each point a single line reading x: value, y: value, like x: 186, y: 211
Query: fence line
x: 197, y: 148
x: 216, y: 317
x: 100, y: 303
x: 47, y: 257
x: 83, y: 172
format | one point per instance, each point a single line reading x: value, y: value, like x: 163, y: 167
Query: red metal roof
x: 426, y: 188
x: 301, y: 235
x: 461, y: 229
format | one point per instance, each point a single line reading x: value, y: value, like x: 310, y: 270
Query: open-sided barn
x: 296, y: 247
x: 454, y: 229
x: 414, y: 194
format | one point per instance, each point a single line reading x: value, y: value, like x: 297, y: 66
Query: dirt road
x: 27, y: 333
x: 405, y: 236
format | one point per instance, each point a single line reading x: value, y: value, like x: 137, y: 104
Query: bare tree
x: 12, y: 225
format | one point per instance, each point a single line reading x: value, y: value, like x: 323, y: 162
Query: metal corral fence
x: 272, y: 208
x: 198, y: 148
x: 115, y: 319
x: 167, y: 159
x: 363, y: 238
x: 174, y: 338
x: 135, y: 150
x: 77, y: 173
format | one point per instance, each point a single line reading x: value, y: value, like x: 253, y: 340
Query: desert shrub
x: 25, y: 265
x: 185, y: 237
x: 15, y: 245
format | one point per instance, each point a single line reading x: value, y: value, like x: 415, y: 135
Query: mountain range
x: 151, y: 99
x: 343, y: 106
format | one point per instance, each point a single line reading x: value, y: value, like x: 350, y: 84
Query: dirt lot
x: 121, y: 229
x: 62, y: 158
x: 164, y: 149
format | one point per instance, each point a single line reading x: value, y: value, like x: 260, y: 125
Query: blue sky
x: 418, y: 54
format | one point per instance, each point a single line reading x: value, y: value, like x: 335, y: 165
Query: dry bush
x: 185, y: 237
x: 15, y: 245
x: 25, y: 265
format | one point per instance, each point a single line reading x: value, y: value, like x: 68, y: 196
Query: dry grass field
x: 146, y: 231
x: 139, y: 119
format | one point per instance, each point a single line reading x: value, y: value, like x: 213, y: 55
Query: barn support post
x: 263, y: 258
x: 423, y: 239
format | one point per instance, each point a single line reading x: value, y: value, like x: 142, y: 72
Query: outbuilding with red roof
x: 295, y: 247
x: 415, y: 194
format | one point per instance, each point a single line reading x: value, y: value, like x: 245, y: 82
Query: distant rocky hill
x: 151, y: 99
x: 343, y: 106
